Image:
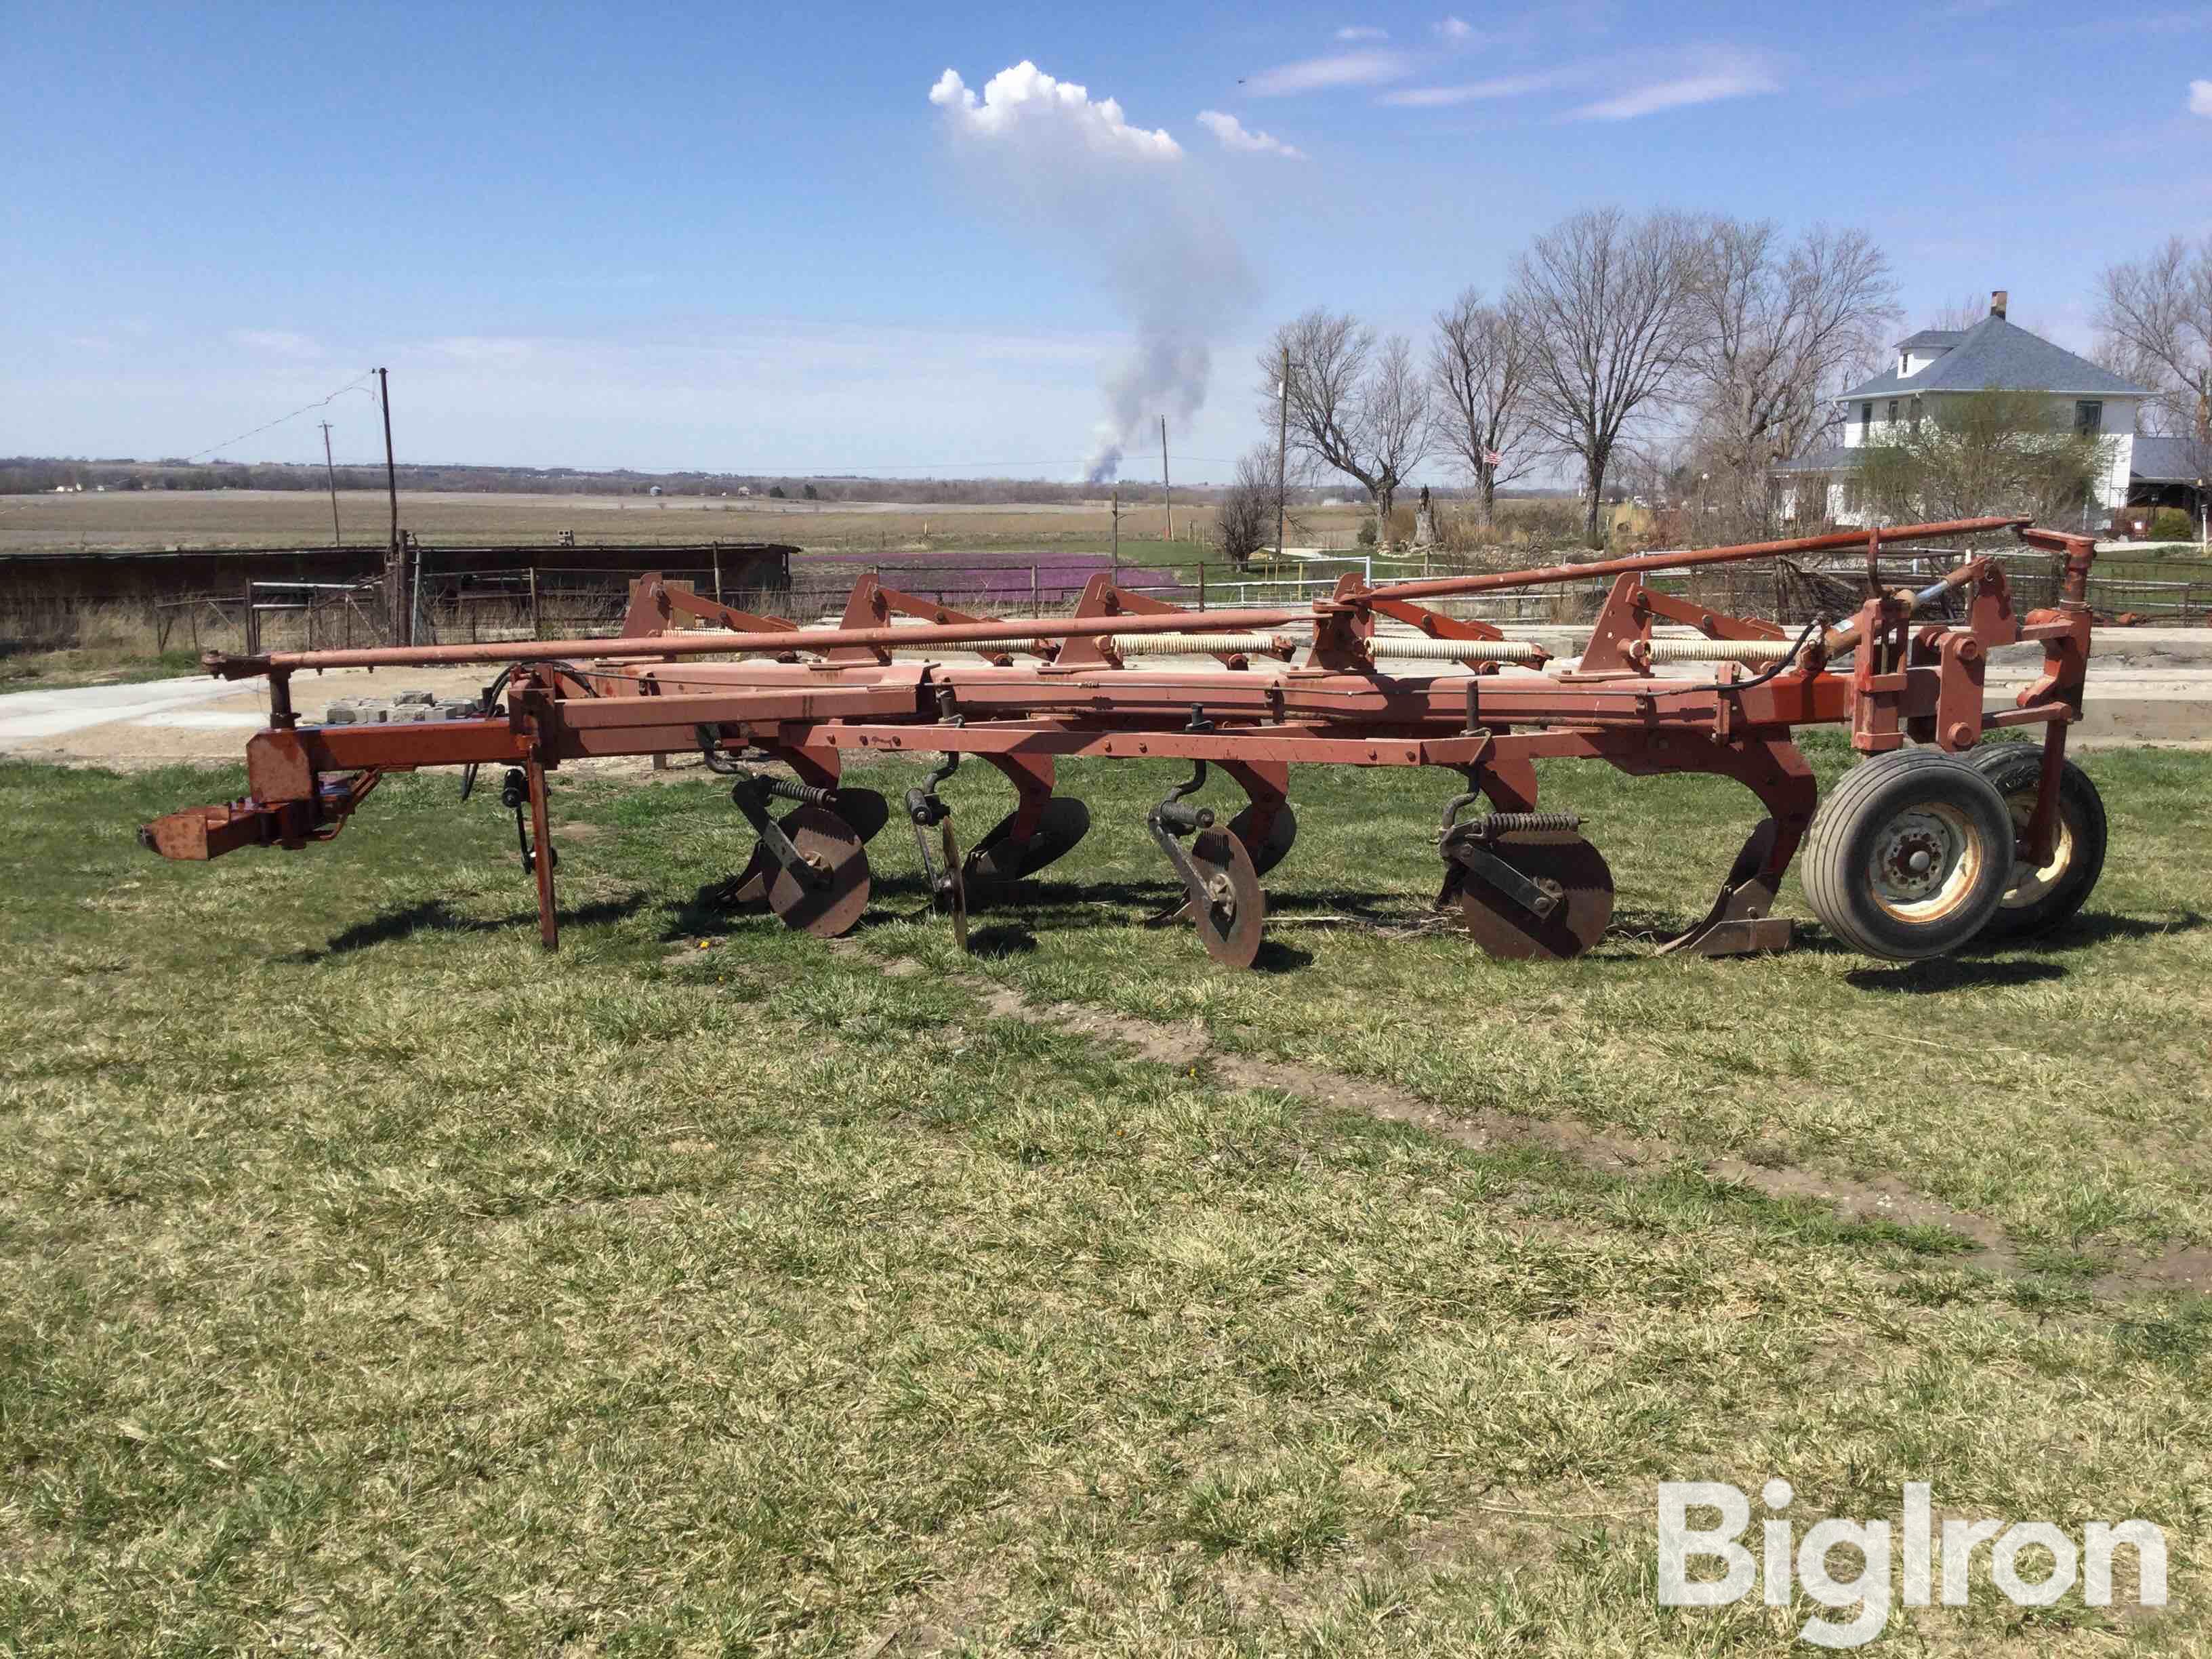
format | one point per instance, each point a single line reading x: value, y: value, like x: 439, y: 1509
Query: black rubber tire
x: 2036, y: 901
x: 1838, y: 861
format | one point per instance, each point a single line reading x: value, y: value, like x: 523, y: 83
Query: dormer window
x: 1904, y: 364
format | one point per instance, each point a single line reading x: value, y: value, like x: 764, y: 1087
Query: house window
x: 1892, y: 411
x: 1866, y: 420
x: 1915, y: 412
x: 2088, y: 418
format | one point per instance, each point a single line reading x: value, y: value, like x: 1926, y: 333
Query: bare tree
x: 1480, y: 362
x: 1354, y: 406
x: 1775, y: 329
x: 2156, y: 320
x: 1958, y: 316
x: 1605, y: 300
x: 1246, y: 518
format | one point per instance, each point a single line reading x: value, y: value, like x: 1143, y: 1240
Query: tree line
x: 1666, y: 349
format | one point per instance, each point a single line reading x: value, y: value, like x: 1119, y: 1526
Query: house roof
x: 2166, y: 460
x: 1994, y: 353
x: 1931, y: 336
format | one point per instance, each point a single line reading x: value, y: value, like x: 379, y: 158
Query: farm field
x: 278, y: 517
x: 275, y: 518
x: 383, y: 1285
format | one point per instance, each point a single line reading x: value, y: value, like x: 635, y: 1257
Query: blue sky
x: 743, y: 238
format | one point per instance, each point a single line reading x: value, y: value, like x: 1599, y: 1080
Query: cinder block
x: 414, y: 696
x: 341, y: 713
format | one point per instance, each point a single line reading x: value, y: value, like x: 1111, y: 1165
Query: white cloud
x: 1503, y: 86
x: 1456, y: 30
x: 1728, y: 74
x: 1362, y: 32
x: 277, y: 342
x: 1344, y: 69
x: 1026, y: 96
x: 2200, y: 97
x: 484, y: 348
x: 1234, y: 135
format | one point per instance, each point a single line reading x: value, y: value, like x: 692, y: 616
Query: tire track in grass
x: 1852, y: 1199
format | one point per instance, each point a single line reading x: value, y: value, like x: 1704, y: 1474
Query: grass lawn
x: 380, y: 1285
x: 58, y: 670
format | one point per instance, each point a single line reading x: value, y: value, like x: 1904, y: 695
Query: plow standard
x: 1928, y: 843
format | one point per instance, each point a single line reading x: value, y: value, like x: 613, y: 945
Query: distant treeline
x: 39, y: 475
x: 25, y: 475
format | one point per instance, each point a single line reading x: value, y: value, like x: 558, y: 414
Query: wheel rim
x: 1925, y: 863
x: 2030, y: 885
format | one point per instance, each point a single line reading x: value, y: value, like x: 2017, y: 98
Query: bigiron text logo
x: 2064, y: 1565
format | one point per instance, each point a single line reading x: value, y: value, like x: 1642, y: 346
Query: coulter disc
x: 1229, y: 926
x: 956, y: 886
x: 1065, y: 822
x: 1507, y: 930
x: 826, y: 910
x: 1267, y: 855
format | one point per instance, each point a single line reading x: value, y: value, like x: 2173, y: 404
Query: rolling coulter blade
x: 955, y: 888
x: 1229, y: 921
x: 829, y: 901
x: 1066, y: 821
x: 865, y: 812
x: 1508, y: 930
x: 1275, y: 847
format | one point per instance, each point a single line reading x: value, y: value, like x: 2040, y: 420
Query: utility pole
x: 337, y: 538
x: 1166, y: 488
x: 1282, y: 450
x: 395, y: 572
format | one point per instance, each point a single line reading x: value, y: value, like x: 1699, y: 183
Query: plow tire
x: 2038, y: 900
x: 1911, y: 856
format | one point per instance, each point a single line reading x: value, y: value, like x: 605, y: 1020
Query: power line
x: 319, y: 402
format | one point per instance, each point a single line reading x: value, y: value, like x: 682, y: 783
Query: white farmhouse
x: 1938, y: 366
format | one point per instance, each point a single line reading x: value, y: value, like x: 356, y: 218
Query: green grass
x: 380, y: 1283
x: 58, y: 670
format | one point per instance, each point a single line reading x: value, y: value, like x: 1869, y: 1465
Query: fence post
x: 252, y: 625
x: 718, y: 574
x: 1201, y: 584
x: 1036, y: 602
x: 538, y: 633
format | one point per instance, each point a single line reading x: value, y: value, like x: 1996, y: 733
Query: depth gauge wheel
x: 1911, y: 856
x: 2038, y: 900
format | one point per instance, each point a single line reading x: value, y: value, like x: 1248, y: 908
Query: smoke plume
x: 1122, y: 203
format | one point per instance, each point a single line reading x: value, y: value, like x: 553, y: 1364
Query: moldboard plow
x: 1928, y: 841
